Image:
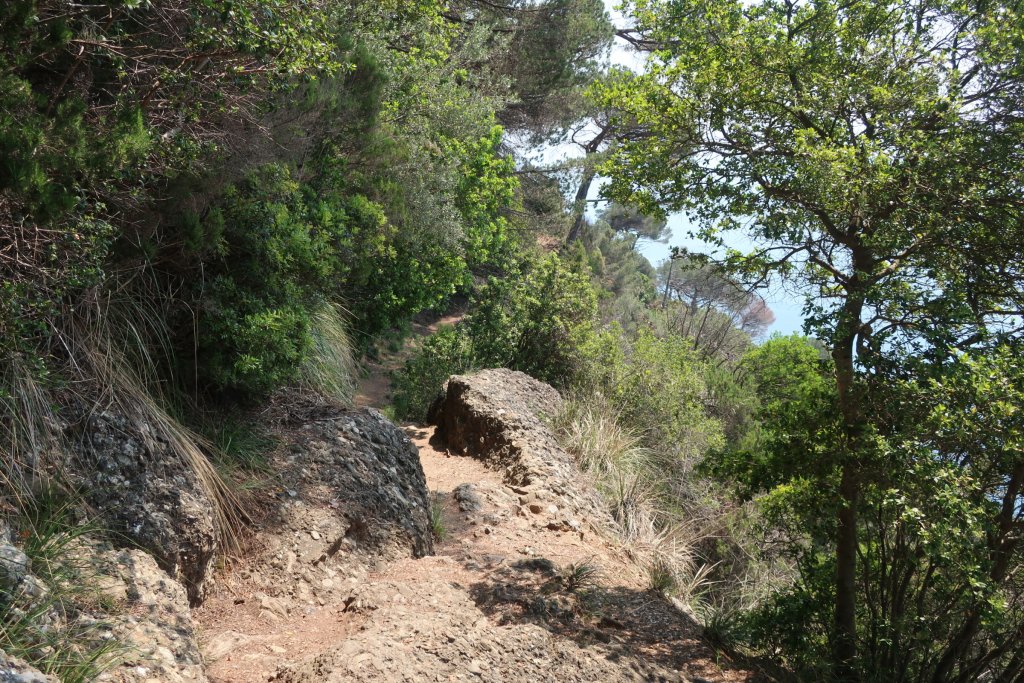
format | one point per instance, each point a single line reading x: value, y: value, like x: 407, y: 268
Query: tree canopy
x: 872, y: 152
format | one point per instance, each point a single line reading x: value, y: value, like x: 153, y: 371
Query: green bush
x: 536, y: 323
x: 448, y: 352
x: 275, y: 266
x: 658, y: 385
x: 278, y: 248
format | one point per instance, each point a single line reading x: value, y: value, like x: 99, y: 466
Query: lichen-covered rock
x: 498, y: 416
x: 154, y: 623
x: 13, y: 670
x: 148, y: 494
x: 14, y: 570
x: 373, y: 473
x: 22, y: 593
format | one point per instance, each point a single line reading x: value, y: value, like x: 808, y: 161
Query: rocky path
x: 525, y: 581
x: 504, y: 597
x: 374, y: 388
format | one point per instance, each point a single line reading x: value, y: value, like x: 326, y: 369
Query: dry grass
x: 115, y: 349
x: 29, y: 433
x: 591, y: 432
x: 627, y: 475
x: 331, y: 369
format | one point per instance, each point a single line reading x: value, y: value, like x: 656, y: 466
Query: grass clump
x: 330, y: 366
x: 661, y: 577
x: 579, y: 577
x: 437, y: 524
x: 52, y: 616
x: 635, y: 484
x: 591, y: 432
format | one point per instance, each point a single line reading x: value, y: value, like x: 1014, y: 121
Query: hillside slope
x: 508, y: 594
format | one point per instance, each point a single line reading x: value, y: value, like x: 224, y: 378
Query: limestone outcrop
x: 499, y: 416
x: 147, y: 494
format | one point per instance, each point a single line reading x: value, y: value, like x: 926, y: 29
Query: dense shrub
x: 535, y: 322
x: 445, y: 353
x: 277, y: 247
x: 659, y: 386
x: 274, y: 264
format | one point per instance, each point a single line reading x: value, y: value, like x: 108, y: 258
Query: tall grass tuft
x: 591, y: 432
x: 45, y: 625
x: 29, y: 433
x: 437, y: 524
x: 119, y: 348
x: 630, y: 478
x: 331, y: 367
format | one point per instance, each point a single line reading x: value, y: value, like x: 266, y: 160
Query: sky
x: 786, y: 306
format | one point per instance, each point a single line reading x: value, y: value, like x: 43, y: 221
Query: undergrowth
x: 437, y: 523
x: 633, y: 481
x: 58, y: 622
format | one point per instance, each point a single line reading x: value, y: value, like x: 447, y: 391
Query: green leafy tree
x: 628, y: 222
x: 941, y: 522
x: 549, y: 51
x: 871, y: 150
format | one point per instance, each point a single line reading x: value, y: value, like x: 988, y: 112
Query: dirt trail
x: 489, y: 604
x: 374, y: 388
x: 506, y: 596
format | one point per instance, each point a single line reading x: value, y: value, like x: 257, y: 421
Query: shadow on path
x: 627, y: 624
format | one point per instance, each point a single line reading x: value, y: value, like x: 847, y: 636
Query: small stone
x: 467, y: 497
x: 536, y: 508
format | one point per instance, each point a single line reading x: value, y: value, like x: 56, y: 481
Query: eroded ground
x: 498, y: 601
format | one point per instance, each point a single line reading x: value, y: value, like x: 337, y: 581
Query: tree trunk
x: 668, y: 283
x: 579, y: 205
x: 844, y: 643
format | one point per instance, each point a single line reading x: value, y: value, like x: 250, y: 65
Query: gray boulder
x: 13, y: 670
x: 146, y: 492
x: 373, y: 472
x: 14, y: 570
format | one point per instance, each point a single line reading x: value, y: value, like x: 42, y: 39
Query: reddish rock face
x: 498, y: 416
